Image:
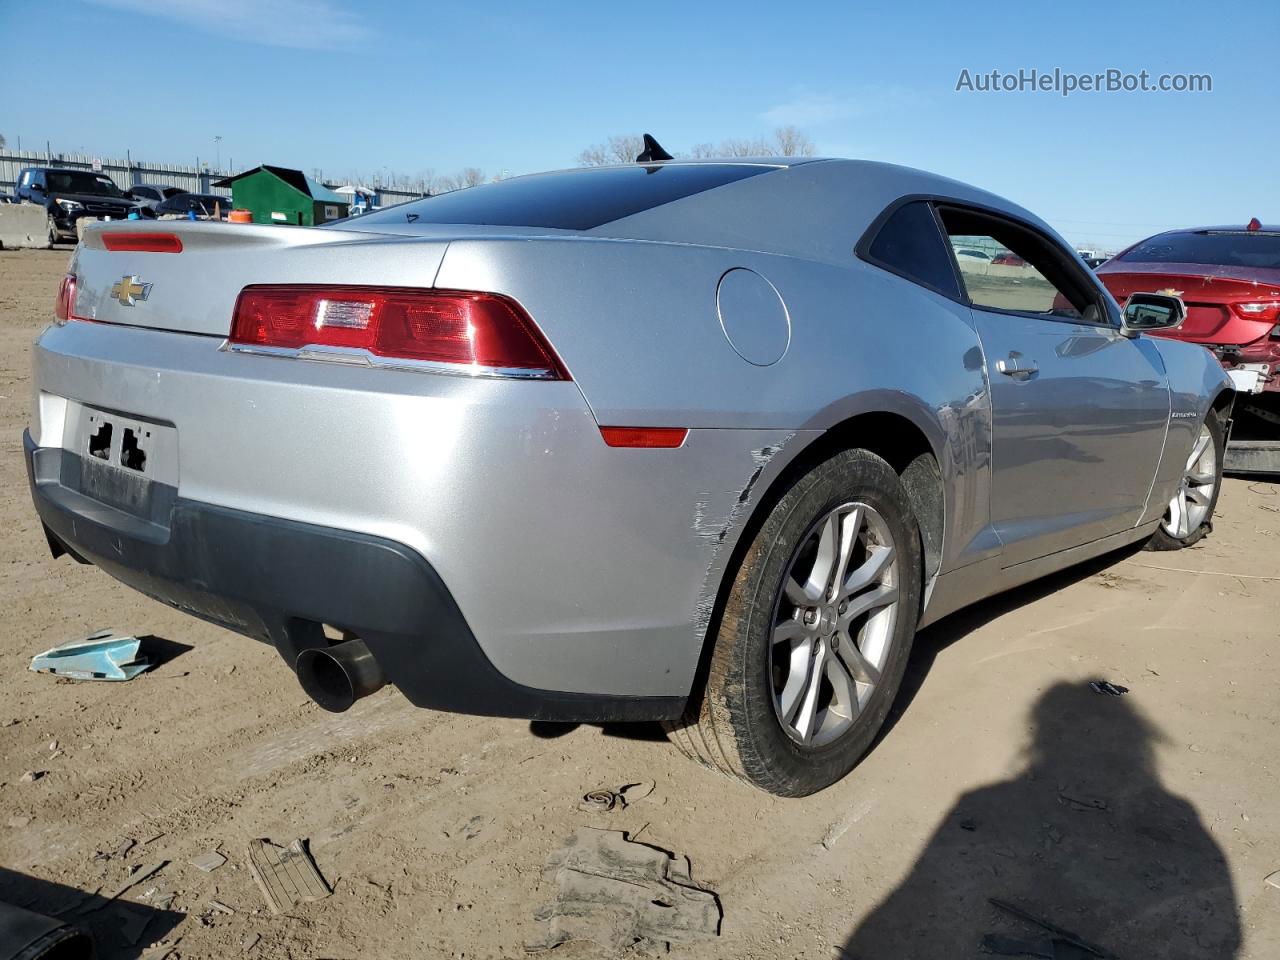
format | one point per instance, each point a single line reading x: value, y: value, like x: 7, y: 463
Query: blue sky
x: 356, y: 88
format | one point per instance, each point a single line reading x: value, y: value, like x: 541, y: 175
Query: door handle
x: 1017, y: 366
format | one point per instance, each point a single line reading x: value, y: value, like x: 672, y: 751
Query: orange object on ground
x: 240, y: 216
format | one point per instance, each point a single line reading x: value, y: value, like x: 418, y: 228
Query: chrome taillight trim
x: 363, y: 358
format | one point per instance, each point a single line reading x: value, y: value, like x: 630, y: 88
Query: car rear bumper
x: 577, y: 567
x: 280, y: 581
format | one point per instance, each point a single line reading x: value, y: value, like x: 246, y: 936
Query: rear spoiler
x: 207, y: 235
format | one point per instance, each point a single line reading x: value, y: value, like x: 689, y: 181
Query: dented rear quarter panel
x: 636, y: 324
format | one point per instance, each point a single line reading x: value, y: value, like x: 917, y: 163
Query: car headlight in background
x: 69, y: 205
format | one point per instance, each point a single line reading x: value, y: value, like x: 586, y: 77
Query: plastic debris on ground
x: 287, y: 876
x: 103, y: 656
x: 1108, y: 688
x: 208, y: 862
x: 1273, y: 880
x: 623, y: 895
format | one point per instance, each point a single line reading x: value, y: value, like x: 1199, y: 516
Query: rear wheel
x: 1189, y: 515
x: 815, y: 634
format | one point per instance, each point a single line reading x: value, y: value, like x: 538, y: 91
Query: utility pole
x: 217, y: 144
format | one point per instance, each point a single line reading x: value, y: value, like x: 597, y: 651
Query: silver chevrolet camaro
x: 698, y: 442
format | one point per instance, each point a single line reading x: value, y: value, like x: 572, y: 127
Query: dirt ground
x: 1145, y: 823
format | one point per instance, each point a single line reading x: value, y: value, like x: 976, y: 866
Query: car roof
x: 812, y: 207
x: 1228, y: 228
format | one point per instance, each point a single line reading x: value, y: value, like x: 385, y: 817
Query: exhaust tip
x: 336, y: 677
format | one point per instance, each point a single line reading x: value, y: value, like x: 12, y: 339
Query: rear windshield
x: 572, y: 200
x: 1243, y: 248
x: 81, y: 181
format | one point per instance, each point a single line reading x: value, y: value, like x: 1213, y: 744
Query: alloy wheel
x: 1190, y: 505
x: 833, y: 623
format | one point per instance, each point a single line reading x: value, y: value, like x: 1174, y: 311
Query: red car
x: 1008, y: 259
x: 1229, y: 278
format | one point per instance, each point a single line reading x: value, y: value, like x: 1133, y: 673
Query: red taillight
x: 64, y: 305
x: 1265, y: 311
x: 143, y: 242
x: 665, y: 438
x: 477, y: 332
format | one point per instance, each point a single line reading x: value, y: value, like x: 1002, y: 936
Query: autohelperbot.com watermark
x: 1065, y: 82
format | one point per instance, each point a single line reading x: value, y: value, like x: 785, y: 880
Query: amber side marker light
x: 651, y: 438
x: 142, y: 242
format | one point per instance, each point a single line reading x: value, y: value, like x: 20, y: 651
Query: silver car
x: 697, y: 442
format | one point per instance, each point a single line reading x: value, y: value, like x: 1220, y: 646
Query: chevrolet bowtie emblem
x: 130, y: 290
x: 1167, y: 291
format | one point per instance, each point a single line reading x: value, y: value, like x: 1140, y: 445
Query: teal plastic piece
x: 102, y: 656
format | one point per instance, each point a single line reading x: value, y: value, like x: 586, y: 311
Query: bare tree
x: 467, y: 177
x: 743, y: 147
x: 790, y: 141
x: 786, y: 141
x: 2, y: 141
x: 618, y: 149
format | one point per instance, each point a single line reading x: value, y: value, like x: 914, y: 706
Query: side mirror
x: 36, y: 188
x: 1152, y: 311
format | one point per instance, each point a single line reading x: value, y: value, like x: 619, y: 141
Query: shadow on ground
x: 932, y: 640
x: 120, y: 930
x: 160, y: 650
x: 1085, y: 838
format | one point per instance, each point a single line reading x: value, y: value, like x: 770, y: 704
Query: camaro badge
x: 130, y: 290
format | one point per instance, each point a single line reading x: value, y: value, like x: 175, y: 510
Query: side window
x: 909, y: 243
x: 145, y: 192
x: 1006, y: 266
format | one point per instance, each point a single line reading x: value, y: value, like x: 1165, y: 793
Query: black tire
x: 734, y: 727
x: 1162, y: 539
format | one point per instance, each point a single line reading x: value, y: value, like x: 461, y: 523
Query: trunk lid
x: 1207, y: 290
x: 195, y: 291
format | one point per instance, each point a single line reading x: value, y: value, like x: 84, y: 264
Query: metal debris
x: 623, y: 895
x: 1010, y: 947
x: 287, y: 876
x: 101, y: 656
x: 1082, y: 803
x: 208, y: 862
x: 159, y: 898
x: 1059, y: 933
x: 598, y: 801
x: 1108, y: 688
x: 604, y: 799
x: 136, y: 875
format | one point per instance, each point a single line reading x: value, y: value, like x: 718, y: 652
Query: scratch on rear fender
x: 715, y: 515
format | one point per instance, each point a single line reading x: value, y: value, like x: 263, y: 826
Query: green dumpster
x: 280, y: 195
